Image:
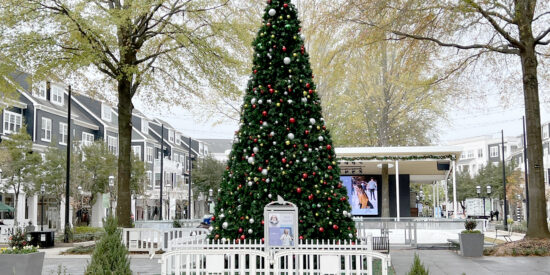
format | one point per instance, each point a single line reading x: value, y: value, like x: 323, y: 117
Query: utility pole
x: 504, y: 183
x: 526, y: 172
x: 189, y: 216
x: 68, y: 172
x: 161, y: 166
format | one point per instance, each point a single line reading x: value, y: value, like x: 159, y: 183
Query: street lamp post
x: 81, y: 193
x: 111, y: 185
x: 42, y: 191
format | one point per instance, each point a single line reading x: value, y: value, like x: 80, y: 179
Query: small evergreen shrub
x: 470, y: 225
x: 176, y: 224
x: 417, y: 267
x: 110, y: 255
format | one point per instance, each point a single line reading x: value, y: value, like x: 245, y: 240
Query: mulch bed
x: 532, y: 247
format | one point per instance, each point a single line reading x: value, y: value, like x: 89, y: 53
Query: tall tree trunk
x: 537, y: 226
x: 125, y: 108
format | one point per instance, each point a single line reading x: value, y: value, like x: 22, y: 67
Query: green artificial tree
x: 283, y: 147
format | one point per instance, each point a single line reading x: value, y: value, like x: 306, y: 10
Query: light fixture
x: 79, y: 189
x: 379, y: 165
x: 42, y: 189
x: 210, y: 192
x: 489, y: 189
x: 111, y: 181
x: 478, y: 188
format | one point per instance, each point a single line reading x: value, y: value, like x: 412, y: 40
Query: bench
x: 507, y: 235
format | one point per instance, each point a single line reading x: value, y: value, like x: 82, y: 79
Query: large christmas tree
x: 283, y: 146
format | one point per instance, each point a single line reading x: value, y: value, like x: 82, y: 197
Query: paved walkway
x: 442, y: 262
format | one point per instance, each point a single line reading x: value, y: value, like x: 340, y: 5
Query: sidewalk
x: 76, y: 264
x: 449, y: 262
x: 514, y: 236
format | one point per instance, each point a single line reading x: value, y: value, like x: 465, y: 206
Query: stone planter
x: 471, y: 244
x: 28, y: 264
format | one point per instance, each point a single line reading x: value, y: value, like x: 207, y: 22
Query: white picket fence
x: 151, y: 240
x: 252, y: 257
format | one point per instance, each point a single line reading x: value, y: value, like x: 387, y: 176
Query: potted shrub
x: 471, y: 240
x: 21, y: 258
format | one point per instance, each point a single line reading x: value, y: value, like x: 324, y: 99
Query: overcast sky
x: 464, y: 121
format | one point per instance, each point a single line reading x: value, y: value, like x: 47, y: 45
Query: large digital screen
x: 362, y: 193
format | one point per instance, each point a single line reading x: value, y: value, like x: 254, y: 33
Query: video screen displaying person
x: 362, y: 193
x: 280, y: 228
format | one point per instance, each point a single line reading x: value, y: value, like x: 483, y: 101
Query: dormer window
x: 106, y: 112
x: 56, y: 95
x: 178, y: 139
x: 171, y: 136
x: 40, y: 90
x: 144, y: 126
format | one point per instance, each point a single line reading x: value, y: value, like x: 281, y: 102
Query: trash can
x: 43, y: 239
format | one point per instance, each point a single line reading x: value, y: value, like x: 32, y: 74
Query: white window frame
x: 471, y: 154
x: 136, y: 149
x: 63, y: 133
x: 150, y: 179
x: 171, y: 136
x: 12, y: 122
x: 182, y: 159
x: 545, y: 131
x: 40, y: 90
x: 112, y: 144
x: 87, y: 139
x: 480, y: 153
x: 178, y: 139
x: 494, y: 151
x: 46, y: 133
x: 175, y: 157
x: 106, y: 112
x: 144, y: 126
x: 150, y: 154
x: 57, y: 95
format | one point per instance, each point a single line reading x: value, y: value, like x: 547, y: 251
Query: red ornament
x: 263, y: 240
x: 255, y: 71
x: 241, y: 230
x: 255, y: 140
x: 271, y: 91
x: 284, y: 160
x: 299, y: 190
x: 324, y: 127
x: 243, y: 237
x: 329, y: 199
x: 292, y: 120
x: 321, y: 229
x: 339, y: 185
x: 284, y: 49
x: 269, y: 24
x: 285, y: 5
x: 310, y: 197
x: 262, y: 222
x: 307, y: 132
x: 304, y: 175
x: 310, y: 91
x: 217, y: 236
x: 301, y: 237
x: 344, y: 199
x: 213, y: 218
x: 308, y: 85
x: 335, y: 227
x: 264, y: 113
x: 269, y: 86
x: 329, y: 167
x: 260, y: 169
x: 329, y: 147
x: 305, y: 145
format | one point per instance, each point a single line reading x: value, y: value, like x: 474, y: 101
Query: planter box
x: 471, y: 244
x: 28, y: 264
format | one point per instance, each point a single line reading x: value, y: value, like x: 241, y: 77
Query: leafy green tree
x: 505, y: 32
x: 283, y: 147
x: 207, y: 175
x: 110, y: 256
x: 18, y: 164
x: 164, y: 50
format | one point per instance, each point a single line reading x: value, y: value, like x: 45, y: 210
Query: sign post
x: 280, y: 224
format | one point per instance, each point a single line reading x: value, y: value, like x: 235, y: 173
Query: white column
x: 437, y: 199
x: 433, y: 198
x: 21, y: 209
x: 446, y: 199
x: 98, y: 212
x: 397, y: 189
x: 455, y: 206
x: 33, y: 209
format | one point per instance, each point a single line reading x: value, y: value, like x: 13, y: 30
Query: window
x: 471, y: 154
x: 150, y: 154
x: 12, y: 122
x: 480, y: 153
x: 87, y: 139
x: 112, y: 145
x: 178, y: 139
x: 158, y: 154
x: 493, y: 151
x: 463, y: 155
x: 106, y: 112
x: 56, y: 95
x: 144, y: 126
x: 137, y: 151
x: 171, y: 136
x: 149, y: 178
x: 40, y: 90
x: 176, y: 157
x: 62, y: 133
x: 182, y: 159
x: 46, y: 129
x: 157, y: 180
x: 545, y: 131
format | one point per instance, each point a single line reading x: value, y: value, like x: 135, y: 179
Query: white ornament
x: 290, y: 101
x: 291, y: 136
x: 274, y: 143
x: 350, y: 235
x: 303, y: 37
x: 224, y: 240
x: 312, y: 120
x: 255, y: 150
x: 222, y: 215
x: 250, y: 231
x: 253, y: 101
x: 264, y: 124
x: 345, y: 213
x: 272, y: 133
x: 272, y: 12
x: 251, y: 160
x: 321, y: 138
x: 224, y: 225
x: 304, y: 160
x: 260, y: 101
x: 250, y: 183
x: 286, y: 60
x: 251, y: 221
x: 269, y: 196
x: 304, y: 100
x: 264, y: 172
x: 210, y: 228
x: 269, y: 101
